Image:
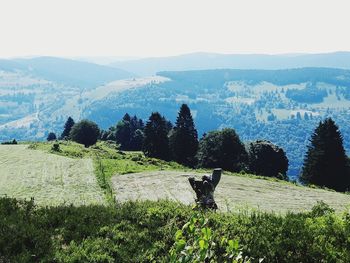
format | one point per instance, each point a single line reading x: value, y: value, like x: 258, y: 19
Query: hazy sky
x: 164, y: 27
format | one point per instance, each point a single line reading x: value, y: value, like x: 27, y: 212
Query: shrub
x: 222, y: 149
x: 85, y: 132
x: 267, y: 159
x: 147, y: 231
x: 196, y: 242
x: 56, y: 147
x: 51, y: 137
x: 10, y: 142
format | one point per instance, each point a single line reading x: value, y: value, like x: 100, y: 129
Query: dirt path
x: 49, y: 178
x: 233, y: 192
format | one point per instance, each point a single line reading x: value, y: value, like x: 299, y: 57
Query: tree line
x: 325, y: 163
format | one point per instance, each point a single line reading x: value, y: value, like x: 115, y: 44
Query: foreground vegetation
x: 162, y: 231
x: 155, y: 231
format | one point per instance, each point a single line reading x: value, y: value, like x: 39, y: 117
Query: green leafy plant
x: 196, y: 242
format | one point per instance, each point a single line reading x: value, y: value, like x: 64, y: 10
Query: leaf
x: 180, y: 244
x: 223, y: 241
x: 186, y: 225
x: 206, y: 232
x: 178, y: 234
x: 201, y: 244
x: 233, y: 245
x: 191, y: 229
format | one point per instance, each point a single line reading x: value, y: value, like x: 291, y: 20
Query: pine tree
x: 67, y: 128
x: 156, y: 142
x: 184, y: 138
x: 129, y: 133
x: 123, y: 132
x: 325, y: 163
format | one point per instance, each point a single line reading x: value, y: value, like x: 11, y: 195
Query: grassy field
x: 232, y: 193
x: 49, y: 178
x: 146, y: 231
x: 80, y: 175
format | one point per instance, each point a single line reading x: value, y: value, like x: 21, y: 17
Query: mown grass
x: 145, y: 232
x: 115, y: 161
x: 50, y: 179
x: 108, y: 160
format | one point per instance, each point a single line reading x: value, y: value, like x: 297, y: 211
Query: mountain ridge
x: 202, y: 60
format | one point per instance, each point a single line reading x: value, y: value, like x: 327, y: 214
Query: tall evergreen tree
x: 184, y: 138
x: 156, y: 142
x: 67, y: 128
x: 129, y: 133
x: 123, y: 132
x: 325, y: 163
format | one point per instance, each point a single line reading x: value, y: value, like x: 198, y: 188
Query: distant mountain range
x: 199, y: 61
x: 65, y: 71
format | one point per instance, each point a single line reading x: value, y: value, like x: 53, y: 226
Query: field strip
x: 233, y: 192
x: 49, y: 178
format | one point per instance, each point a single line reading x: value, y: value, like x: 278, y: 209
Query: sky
x: 153, y: 28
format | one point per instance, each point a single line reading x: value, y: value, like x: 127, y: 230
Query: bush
x: 85, y: 132
x: 149, y: 232
x: 56, y: 147
x: 51, y: 137
x: 267, y: 159
x: 222, y: 149
x: 10, y: 142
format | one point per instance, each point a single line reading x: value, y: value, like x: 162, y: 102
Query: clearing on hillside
x: 233, y: 192
x: 49, y: 178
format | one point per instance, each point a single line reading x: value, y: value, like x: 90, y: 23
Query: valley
x: 283, y: 106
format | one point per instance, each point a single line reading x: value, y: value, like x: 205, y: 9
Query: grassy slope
x: 50, y: 179
x: 233, y: 192
x: 139, y: 177
x: 145, y: 231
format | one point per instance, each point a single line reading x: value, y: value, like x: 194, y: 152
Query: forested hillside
x: 283, y: 106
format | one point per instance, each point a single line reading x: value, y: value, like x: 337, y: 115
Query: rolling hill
x: 283, y: 106
x: 200, y: 61
x: 65, y: 71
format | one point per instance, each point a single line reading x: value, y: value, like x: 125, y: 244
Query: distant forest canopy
x: 282, y: 106
x: 214, y: 78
